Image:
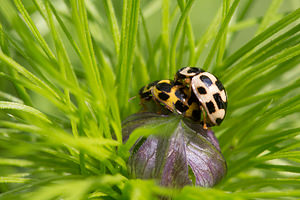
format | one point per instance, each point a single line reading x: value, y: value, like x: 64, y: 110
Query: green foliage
x: 69, y: 67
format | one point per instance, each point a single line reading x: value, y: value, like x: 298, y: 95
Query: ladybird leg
x: 142, y: 103
x: 131, y: 98
x: 159, y: 111
x: 204, y: 117
x: 160, y: 108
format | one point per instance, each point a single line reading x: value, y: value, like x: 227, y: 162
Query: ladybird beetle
x: 212, y: 96
x: 172, y: 96
x: 209, y: 91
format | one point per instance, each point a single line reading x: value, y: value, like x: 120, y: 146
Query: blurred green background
x: 202, y: 14
x: 252, y: 137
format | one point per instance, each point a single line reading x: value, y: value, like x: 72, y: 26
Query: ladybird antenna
x: 131, y: 98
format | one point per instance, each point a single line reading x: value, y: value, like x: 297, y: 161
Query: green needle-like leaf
x: 73, y: 126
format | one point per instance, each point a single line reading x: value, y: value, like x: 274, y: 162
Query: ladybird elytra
x: 172, y: 95
x: 166, y: 93
x: 207, y: 89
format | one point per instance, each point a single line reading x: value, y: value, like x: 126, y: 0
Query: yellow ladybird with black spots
x: 173, y: 96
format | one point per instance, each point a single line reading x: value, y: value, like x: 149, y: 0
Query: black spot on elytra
x: 180, y: 106
x: 219, y: 101
x: 177, y: 83
x: 211, y: 108
x: 163, y: 96
x: 179, y: 94
x: 151, y: 84
x: 219, y: 121
x: 219, y: 85
x: 206, y: 80
x: 192, y: 99
x: 196, y: 114
x: 166, y: 87
x: 201, y: 90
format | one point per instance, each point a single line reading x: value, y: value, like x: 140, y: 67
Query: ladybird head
x: 145, y: 92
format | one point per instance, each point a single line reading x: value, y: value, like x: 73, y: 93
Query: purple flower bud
x: 188, y: 155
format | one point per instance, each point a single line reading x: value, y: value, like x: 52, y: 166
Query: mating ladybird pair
x: 193, y: 93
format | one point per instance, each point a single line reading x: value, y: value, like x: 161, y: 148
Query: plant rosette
x: 178, y: 152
